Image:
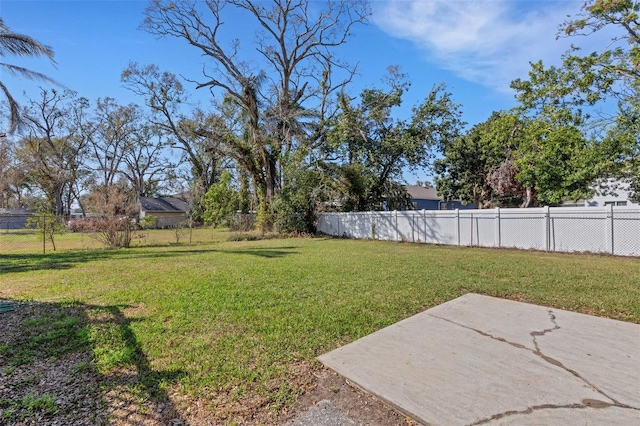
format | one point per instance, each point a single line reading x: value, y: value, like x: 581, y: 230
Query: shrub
x: 113, y: 232
x: 220, y: 201
x: 148, y: 222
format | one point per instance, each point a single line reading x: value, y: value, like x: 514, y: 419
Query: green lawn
x: 228, y: 322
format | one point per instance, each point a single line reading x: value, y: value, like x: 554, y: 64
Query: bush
x: 180, y: 230
x: 295, y: 205
x: 148, y: 222
x: 220, y: 201
x: 83, y: 225
x: 242, y: 222
x: 254, y: 236
x: 113, y: 232
x: 264, y: 218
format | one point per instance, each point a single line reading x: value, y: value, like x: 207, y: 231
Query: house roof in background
x: 164, y: 204
x: 184, y: 196
x: 17, y: 212
x: 420, y: 193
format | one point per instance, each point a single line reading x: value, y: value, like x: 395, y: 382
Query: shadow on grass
x: 11, y: 263
x: 266, y: 252
x: 95, y: 362
x: 15, y: 263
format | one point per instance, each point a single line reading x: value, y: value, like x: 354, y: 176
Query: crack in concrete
x: 483, y: 333
x: 593, y: 403
x: 534, y: 334
x: 559, y: 364
x: 586, y: 403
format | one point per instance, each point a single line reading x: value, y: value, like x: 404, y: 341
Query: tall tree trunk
x: 59, y: 203
x: 529, y: 197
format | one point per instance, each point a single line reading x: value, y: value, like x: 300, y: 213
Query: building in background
x: 14, y: 219
x: 428, y: 199
x: 168, y: 212
x: 612, y: 192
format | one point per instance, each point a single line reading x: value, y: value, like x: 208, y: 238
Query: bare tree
x: 13, y: 181
x: 53, y: 151
x: 295, y: 39
x: 109, y: 134
x: 6, y: 157
x: 9, y: 176
x: 113, y: 224
x: 165, y: 95
x: 144, y: 165
x: 504, y: 182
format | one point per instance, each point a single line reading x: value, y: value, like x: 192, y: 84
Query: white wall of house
x: 612, y: 192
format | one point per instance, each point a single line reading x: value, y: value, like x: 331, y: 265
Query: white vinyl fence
x: 614, y: 230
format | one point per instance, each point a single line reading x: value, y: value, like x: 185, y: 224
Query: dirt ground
x: 352, y: 403
x: 68, y: 390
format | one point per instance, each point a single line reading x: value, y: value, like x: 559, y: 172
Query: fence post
x: 373, y: 226
x: 458, y: 224
x: 338, y: 219
x: 547, y: 226
x: 395, y: 214
x: 413, y: 227
x: 611, y: 228
x: 471, y: 228
x: 374, y: 223
x: 424, y: 220
x: 498, y: 236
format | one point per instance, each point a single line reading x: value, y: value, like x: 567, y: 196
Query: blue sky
x: 475, y: 47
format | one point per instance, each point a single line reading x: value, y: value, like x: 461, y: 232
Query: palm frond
x: 21, y: 45
x: 14, y: 110
x: 22, y: 72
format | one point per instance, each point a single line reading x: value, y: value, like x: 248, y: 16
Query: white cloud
x: 488, y: 42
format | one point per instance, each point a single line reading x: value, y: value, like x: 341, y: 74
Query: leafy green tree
x: 148, y: 222
x: 281, y: 87
x: 560, y: 155
x: 309, y: 188
x: 220, y: 201
x: 620, y: 148
x: 295, y: 205
x: 516, y: 159
x: 553, y: 162
x: 375, y: 149
x: 573, y: 94
x: 467, y: 161
x: 14, y: 44
x: 245, y: 200
x: 620, y: 59
x: 613, y: 71
x: 547, y: 161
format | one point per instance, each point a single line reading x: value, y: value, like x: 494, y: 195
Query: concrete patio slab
x: 482, y: 360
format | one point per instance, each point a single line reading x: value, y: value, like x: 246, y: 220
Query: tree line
x: 574, y: 131
x: 285, y: 137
